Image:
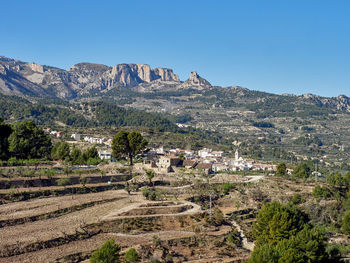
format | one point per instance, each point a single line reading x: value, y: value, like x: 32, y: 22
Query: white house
x: 105, y: 154
x: 76, y: 136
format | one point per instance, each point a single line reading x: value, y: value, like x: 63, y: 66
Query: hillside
x: 263, y: 125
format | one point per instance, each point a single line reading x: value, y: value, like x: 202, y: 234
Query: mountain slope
x: 23, y: 78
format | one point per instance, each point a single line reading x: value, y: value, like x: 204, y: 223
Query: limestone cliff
x: 196, y: 81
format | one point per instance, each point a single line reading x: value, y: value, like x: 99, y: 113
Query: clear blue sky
x: 295, y: 46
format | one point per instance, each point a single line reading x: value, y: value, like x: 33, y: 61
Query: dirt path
x: 245, y: 243
x: 254, y: 178
x: 117, y: 214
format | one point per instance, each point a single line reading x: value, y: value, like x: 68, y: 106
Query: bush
x: 321, y: 192
x: 93, y: 161
x: 150, y: 194
x: 131, y: 256
x: 227, y: 187
x: 108, y: 253
x: 297, y: 199
x: 336, y: 179
x: 63, y: 181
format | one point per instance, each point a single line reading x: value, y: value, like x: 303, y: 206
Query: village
x: 163, y: 160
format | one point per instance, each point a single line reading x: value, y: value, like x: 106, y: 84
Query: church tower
x: 237, y: 155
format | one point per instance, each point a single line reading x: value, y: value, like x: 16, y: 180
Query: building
x: 105, y: 154
x: 205, y: 153
x: 189, y: 164
x: 168, y: 163
x: 205, y: 167
x: 76, y: 136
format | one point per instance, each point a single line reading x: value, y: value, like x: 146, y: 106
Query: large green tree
x: 276, y: 222
x: 303, y: 170
x: 5, y: 131
x: 27, y: 141
x: 60, y: 151
x: 128, y: 144
x: 283, y: 236
x: 281, y: 169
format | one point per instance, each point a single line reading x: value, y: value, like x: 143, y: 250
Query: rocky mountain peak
x: 165, y: 74
x: 36, y: 67
x: 84, y: 66
x: 197, y: 81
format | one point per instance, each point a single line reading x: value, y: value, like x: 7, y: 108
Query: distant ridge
x: 34, y: 80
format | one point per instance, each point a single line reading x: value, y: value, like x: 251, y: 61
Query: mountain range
x: 135, y: 95
x: 31, y: 79
x: 22, y: 78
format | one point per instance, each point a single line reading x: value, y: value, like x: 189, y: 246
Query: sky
x: 277, y: 46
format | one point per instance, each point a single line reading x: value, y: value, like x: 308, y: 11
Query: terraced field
x: 68, y: 226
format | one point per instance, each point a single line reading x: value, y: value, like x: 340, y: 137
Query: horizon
x: 182, y: 80
x: 291, y: 47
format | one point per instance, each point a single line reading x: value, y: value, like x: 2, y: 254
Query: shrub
x: 297, y: 199
x: 63, y: 181
x: 150, y: 194
x: 227, y: 187
x: 321, y: 192
x: 93, y: 161
x: 131, y: 256
x: 108, y: 253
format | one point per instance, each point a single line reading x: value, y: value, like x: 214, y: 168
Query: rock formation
x: 196, y: 81
x: 166, y: 74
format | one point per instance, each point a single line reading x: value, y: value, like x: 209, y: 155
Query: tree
x: 346, y: 223
x: 108, y: 253
x: 27, y: 141
x: 150, y: 175
x: 283, y: 236
x: 336, y: 180
x: 303, y: 170
x: 5, y: 132
x: 131, y: 256
x: 76, y: 156
x: 60, y: 151
x: 125, y: 144
x: 276, y: 222
x: 281, y: 169
x: 306, y: 246
x: 90, y: 153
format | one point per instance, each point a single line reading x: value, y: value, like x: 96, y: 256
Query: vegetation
x: 27, y: 141
x: 283, y: 234
x: 150, y: 175
x: 5, y: 131
x: 346, y: 223
x: 108, y: 253
x: 61, y: 151
x: 281, y: 169
x: 128, y: 144
x: 303, y: 170
x: 131, y: 256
